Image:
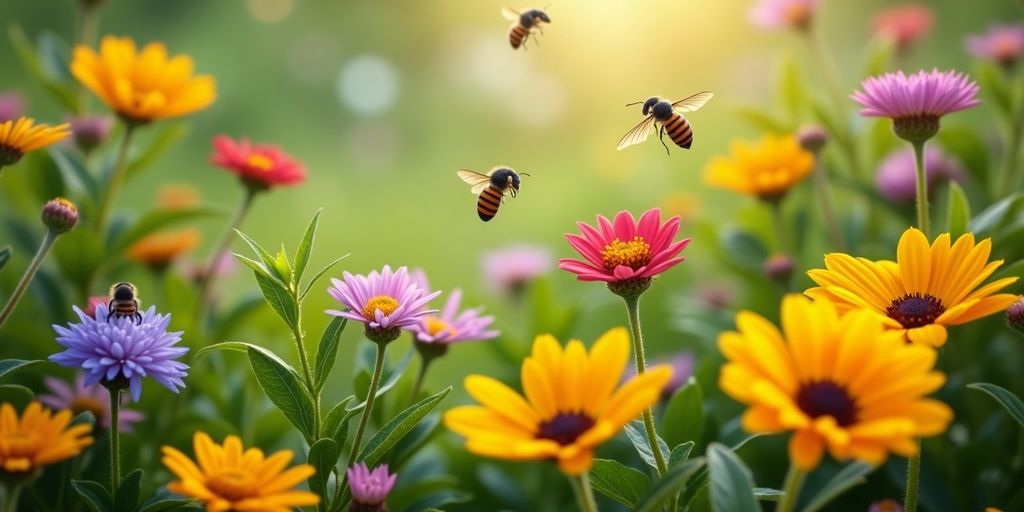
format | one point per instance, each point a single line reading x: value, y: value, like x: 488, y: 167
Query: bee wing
x: 509, y: 14
x: 637, y: 135
x: 477, y: 182
x: 693, y: 102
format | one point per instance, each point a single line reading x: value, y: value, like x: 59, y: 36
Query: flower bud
x: 60, y: 215
x: 90, y: 131
x: 812, y: 137
x: 1015, y: 315
x: 779, y: 268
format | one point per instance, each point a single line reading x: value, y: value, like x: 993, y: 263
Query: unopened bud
x: 1015, y: 315
x: 779, y: 268
x: 60, y: 215
x: 812, y: 137
x: 90, y: 131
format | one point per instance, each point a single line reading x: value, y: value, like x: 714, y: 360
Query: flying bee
x: 523, y: 24
x: 124, y: 301
x: 669, y: 117
x: 492, y: 188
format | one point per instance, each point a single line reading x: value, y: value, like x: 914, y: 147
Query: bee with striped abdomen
x: 669, y: 117
x: 124, y: 301
x: 491, y: 188
x: 523, y: 24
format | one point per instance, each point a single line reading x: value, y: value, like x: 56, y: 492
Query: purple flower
x: 81, y: 398
x: 682, y: 364
x: 1015, y: 315
x: 453, y: 326
x: 370, y: 488
x: 386, y: 302
x: 915, y: 103
x: 896, y: 180
x: 12, y: 105
x: 509, y: 269
x: 1003, y: 44
x: 783, y: 13
x: 89, y: 132
x: 123, y: 348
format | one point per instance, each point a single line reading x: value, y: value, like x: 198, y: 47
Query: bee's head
x: 505, y: 177
x: 123, y: 291
x: 649, y: 104
x: 541, y: 15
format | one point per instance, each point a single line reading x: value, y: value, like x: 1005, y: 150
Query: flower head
x: 682, y: 364
x: 571, y: 404
x: 60, y: 215
x: 896, y: 178
x: 624, y: 252
x: 228, y: 477
x: 812, y: 137
x: 370, y: 488
x: 142, y: 86
x: 24, y: 135
x: 1003, y: 44
x: 779, y: 268
x: 453, y: 325
x: 841, y: 382
x: 89, y: 132
x: 261, y: 165
x: 915, y: 103
x: 12, y: 105
x: 158, y: 250
x: 509, y: 269
x: 38, y: 438
x: 926, y: 289
x: 79, y: 398
x: 766, y: 169
x: 886, y: 505
x: 177, y: 196
x: 904, y: 25
x: 386, y: 301
x: 783, y: 13
x: 1015, y: 314
x: 118, y: 349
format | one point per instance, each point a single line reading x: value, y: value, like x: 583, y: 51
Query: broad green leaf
x: 156, y: 220
x: 995, y: 215
x: 158, y: 145
x: 680, y: 453
x: 959, y: 210
x: 323, y: 456
x: 64, y: 93
x: 10, y: 365
x: 700, y: 479
x: 319, y: 274
x: 731, y: 482
x: 670, y: 483
x: 129, y: 491
x: 327, y: 352
x: 84, y: 417
x: 393, y: 431
x: 415, y: 439
x: 5, y: 255
x: 768, y: 494
x: 94, y: 494
x: 637, y: 434
x: 265, y: 257
x: 303, y: 251
x: 1008, y: 400
x: 618, y: 482
x: 279, y: 298
x: 852, y: 474
x: 17, y: 395
x: 281, y: 384
x: 168, y: 504
x: 335, y: 419
x: 744, y: 249
x: 234, y: 346
x: 684, y: 416
x: 74, y: 171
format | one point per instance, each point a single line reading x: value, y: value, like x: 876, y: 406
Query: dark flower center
x: 564, y: 428
x: 915, y: 310
x: 826, y: 398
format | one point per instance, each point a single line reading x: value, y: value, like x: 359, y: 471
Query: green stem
x: 822, y: 189
x: 1013, y: 144
x: 922, y: 187
x: 117, y: 178
x: 913, y: 476
x: 378, y: 369
x: 115, y: 442
x: 420, y: 377
x: 633, y: 312
x: 791, y: 489
x: 30, y: 273
x: 11, y: 499
x: 781, y: 236
x: 306, y: 372
x: 584, y: 492
x: 207, y: 277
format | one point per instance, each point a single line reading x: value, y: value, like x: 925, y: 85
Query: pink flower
x: 625, y: 253
x: 370, y: 488
x: 94, y: 301
x: 896, y: 179
x: 89, y: 132
x: 915, y: 103
x: 261, y: 165
x: 387, y: 302
x: 509, y: 269
x: 904, y: 25
x: 81, y: 398
x: 12, y: 104
x: 783, y: 13
x: 453, y: 325
x: 1003, y: 44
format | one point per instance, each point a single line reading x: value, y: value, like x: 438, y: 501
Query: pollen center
x: 826, y: 398
x: 261, y: 162
x: 565, y: 427
x: 385, y: 303
x: 915, y: 310
x: 231, y: 484
x: 633, y: 254
x: 437, y: 326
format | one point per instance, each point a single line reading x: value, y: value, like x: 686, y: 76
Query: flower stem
x: 922, y: 187
x: 1013, y: 144
x: 11, y: 498
x: 207, y: 277
x: 115, y: 441
x: 913, y: 475
x: 584, y: 492
x: 633, y: 312
x: 306, y: 373
x: 416, y: 388
x: 117, y: 177
x: 378, y: 369
x: 822, y: 190
x: 791, y: 489
x: 26, y: 278
x: 781, y: 237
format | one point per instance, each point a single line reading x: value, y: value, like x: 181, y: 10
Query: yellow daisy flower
x: 23, y: 135
x: 142, y: 86
x: 926, y: 289
x: 767, y: 169
x: 571, y: 404
x: 39, y: 438
x: 838, y: 382
x: 226, y: 478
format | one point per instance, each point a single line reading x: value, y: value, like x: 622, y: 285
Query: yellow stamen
x: 385, y: 303
x: 633, y: 254
x: 437, y: 326
x: 261, y: 162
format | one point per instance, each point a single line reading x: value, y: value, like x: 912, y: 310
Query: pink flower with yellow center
x: 261, y: 166
x: 453, y: 325
x: 387, y: 302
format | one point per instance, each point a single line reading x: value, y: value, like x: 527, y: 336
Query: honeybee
x: 124, y: 301
x: 670, y: 118
x: 523, y: 24
x: 491, y: 187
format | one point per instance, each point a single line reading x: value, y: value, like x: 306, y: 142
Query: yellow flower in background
x: 766, y: 169
x: 23, y: 135
x: 158, y: 250
x: 925, y: 290
x: 571, y: 403
x: 226, y: 478
x: 838, y: 382
x: 142, y: 86
x: 38, y: 438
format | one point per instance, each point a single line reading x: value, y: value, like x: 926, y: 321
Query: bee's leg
x: 110, y: 310
x: 138, y: 317
x: 661, y: 137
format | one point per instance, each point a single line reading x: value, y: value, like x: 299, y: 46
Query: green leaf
x: 282, y: 266
x: 878, y: 57
x: 158, y: 145
x: 129, y: 491
x: 427, y: 428
x: 64, y: 93
x: 637, y: 434
x: 75, y: 171
x: 335, y: 419
x: 378, y: 445
x: 680, y: 453
x: 327, y: 352
x: 959, y: 210
x: 79, y: 253
x: 5, y: 255
x: 10, y: 365
x: 744, y: 249
x: 156, y: 220
x: 281, y: 384
x: 279, y: 298
x: 265, y: 257
x: 790, y: 87
x: 319, y: 274
x: 996, y: 215
x: 303, y: 251
x: 17, y: 395
x: 852, y: 474
x: 166, y: 504
x: 618, y: 482
x: 1008, y: 400
x: 670, y: 483
x: 235, y: 346
x: 768, y: 494
x: 323, y: 456
x: 94, y: 494
x: 731, y: 483
x: 84, y: 417
x: 684, y: 416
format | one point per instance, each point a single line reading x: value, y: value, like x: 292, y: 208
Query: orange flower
x: 38, y: 438
x: 159, y: 250
x: 21, y: 136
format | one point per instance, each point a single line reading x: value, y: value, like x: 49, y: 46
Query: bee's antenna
x: 524, y: 174
x: 634, y: 103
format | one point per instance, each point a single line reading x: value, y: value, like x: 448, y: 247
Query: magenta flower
x: 783, y: 13
x: 12, y: 105
x: 452, y: 325
x: 261, y: 166
x: 895, y: 178
x: 915, y: 103
x: 81, y: 398
x: 904, y: 24
x: 1003, y: 44
x: 625, y: 253
x: 386, y: 302
x: 370, y: 489
x: 509, y: 269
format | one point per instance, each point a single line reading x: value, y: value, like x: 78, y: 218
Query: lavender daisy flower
x: 453, y: 326
x: 783, y: 13
x: 1003, y: 44
x: 915, y: 103
x: 122, y: 351
x: 370, y: 488
x: 509, y: 269
x: 80, y: 398
x: 894, y: 179
x: 386, y: 302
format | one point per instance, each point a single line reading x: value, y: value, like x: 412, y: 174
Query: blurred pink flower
x: 783, y: 13
x: 886, y: 505
x: 917, y: 102
x: 1003, y: 44
x: 682, y: 364
x: 510, y: 268
x: 95, y: 300
x: 81, y: 398
x: 896, y: 178
x: 453, y: 325
x: 258, y: 165
x: 905, y: 24
x: 89, y: 132
x: 12, y: 105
